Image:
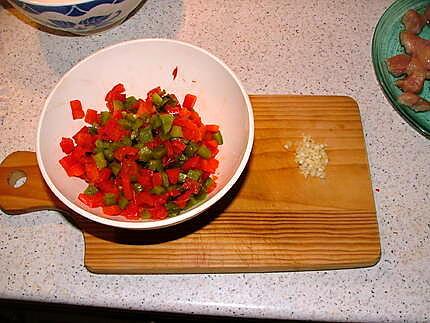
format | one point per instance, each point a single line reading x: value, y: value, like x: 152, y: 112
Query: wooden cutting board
x: 273, y: 219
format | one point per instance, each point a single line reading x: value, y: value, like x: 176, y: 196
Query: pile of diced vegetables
x: 143, y: 158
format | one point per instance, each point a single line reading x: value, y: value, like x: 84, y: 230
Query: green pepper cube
x: 209, y: 182
x: 156, y: 99
x: 125, y: 124
x: 155, y: 121
x: 122, y: 202
x: 105, y: 116
x: 91, y: 190
x: 165, y: 179
x: 144, y: 154
x: 129, y: 102
x: 191, y: 149
x: 117, y: 105
x: 109, y: 199
x: 194, y: 174
x: 218, y: 138
x: 176, y: 132
x: 155, y: 165
x: 145, y: 135
x: 144, y: 214
x: 159, y: 152
x: 108, y: 153
x: 166, y: 122
x: 100, y: 160
x: 172, y: 209
x: 158, y: 190
x: 115, y: 168
x: 204, y: 152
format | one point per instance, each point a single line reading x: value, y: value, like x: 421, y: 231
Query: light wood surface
x: 273, y: 219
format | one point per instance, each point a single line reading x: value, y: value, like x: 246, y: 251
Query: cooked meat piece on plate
x: 414, y: 101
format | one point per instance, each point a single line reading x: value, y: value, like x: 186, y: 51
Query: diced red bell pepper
x: 184, y: 123
x: 112, y: 210
x: 169, y: 148
x: 157, y: 179
x: 173, y: 175
x: 192, y: 163
x: 131, y: 212
x: 91, y: 172
x: 83, y: 130
x: 72, y: 167
x: 189, y: 101
x: 126, y: 152
x: 212, y: 128
x: 154, y: 90
x: 209, y: 165
x: 126, y: 188
x: 178, y: 146
x: 173, y: 110
x: 129, y: 168
x: 108, y: 187
x: 145, y: 199
x: 92, y: 201
x: 182, y: 200
x: 112, y: 130
x: 211, y: 143
x: 158, y: 213
x: 191, y: 186
x: 116, y: 93
x: 91, y: 116
x: 77, y: 111
x: 145, y: 107
x: 145, y: 178
x: 104, y: 175
x: 67, y: 145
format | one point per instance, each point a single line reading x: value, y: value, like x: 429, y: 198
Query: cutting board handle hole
x: 17, y: 178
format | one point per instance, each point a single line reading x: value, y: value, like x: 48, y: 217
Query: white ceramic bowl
x: 142, y: 65
x: 77, y: 16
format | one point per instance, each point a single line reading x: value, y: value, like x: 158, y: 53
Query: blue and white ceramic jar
x: 78, y: 17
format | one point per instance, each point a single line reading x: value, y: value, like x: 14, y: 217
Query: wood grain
x: 272, y: 220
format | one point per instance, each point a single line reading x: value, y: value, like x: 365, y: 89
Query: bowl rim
x: 60, y: 3
x: 169, y: 221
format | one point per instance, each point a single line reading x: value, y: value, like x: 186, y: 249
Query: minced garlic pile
x: 311, y: 158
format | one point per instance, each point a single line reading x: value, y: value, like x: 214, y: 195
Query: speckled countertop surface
x: 296, y: 47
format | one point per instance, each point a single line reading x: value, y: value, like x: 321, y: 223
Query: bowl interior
x: 142, y: 65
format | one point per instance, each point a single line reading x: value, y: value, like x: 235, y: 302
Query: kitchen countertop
x: 294, y: 47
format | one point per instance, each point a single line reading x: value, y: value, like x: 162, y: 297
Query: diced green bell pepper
x: 204, y: 152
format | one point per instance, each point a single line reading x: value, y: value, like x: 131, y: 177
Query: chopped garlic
x: 311, y: 158
x: 288, y: 145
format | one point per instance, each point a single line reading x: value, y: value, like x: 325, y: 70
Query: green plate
x: 386, y: 43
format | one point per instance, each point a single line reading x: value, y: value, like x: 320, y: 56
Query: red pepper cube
x: 77, y: 111
x: 212, y: 128
x: 158, y: 213
x: 189, y: 101
x: 192, y: 163
x: 131, y: 212
x: 91, y: 116
x: 112, y: 210
x: 173, y: 175
x: 157, y: 179
x: 92, y: 201
x: 67, y: 145
x: 126, y: 188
